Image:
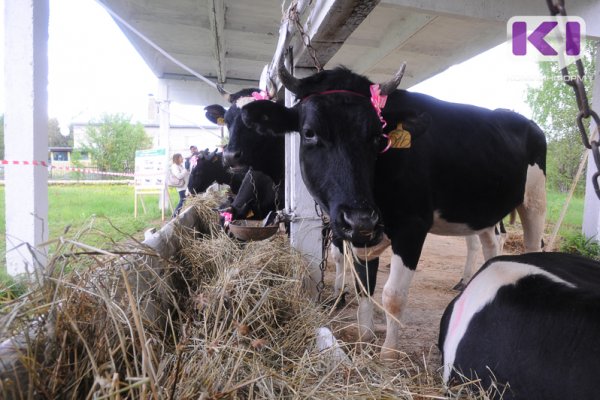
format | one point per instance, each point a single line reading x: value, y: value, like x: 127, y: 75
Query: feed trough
x: 251, y: 230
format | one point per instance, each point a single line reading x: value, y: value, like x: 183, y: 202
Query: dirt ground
x: 440, y: 268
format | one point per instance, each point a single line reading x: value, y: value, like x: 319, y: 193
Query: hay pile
x: 219, y: 320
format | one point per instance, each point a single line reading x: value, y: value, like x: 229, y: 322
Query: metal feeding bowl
x: 251, y: 230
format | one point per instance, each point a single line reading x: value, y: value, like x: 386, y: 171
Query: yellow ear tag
x: 400, y: 138
x: 220, y: 121
x: 250, y: 214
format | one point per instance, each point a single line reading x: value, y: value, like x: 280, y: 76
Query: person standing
x: 179, y: 179
x: 188, y: 161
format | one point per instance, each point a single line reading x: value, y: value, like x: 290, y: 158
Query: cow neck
x: 377, y: 101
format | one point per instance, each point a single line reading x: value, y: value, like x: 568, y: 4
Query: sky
x: 93, y: 69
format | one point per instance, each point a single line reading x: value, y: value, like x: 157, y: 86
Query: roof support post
x: 164, y: 130
x: 26, y: 133
x: 305, y: 228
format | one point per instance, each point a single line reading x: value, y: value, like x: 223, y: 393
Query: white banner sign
x: 150, y: 168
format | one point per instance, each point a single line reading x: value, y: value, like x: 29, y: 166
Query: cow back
x: 532, y: 321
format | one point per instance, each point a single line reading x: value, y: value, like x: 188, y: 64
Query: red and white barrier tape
x: 74, y: 169
x: 42, y: 163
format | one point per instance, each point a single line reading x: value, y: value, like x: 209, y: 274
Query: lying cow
x: 387, y: 162
x: 531, y: 320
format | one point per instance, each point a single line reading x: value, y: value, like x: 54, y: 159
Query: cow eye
x: 309, y: 135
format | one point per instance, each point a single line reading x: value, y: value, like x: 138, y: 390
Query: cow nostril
x: 362, y: 222
x: 347, y: 220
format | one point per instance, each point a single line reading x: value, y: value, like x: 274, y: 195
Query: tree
x: 55, y: 137
x: 113, y: 140
x: 555, y: 110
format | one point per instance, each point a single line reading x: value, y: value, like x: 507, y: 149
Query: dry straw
x: 219, y: 320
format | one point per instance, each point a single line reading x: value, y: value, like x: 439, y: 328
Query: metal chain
x: 326, y: 237
x: 276, y: 190
x: 253, y: 182
x: 585, y: 111
x: 294, y: 16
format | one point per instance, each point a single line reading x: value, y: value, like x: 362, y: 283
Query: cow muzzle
x: 233, y: 159
x: 360, y: 226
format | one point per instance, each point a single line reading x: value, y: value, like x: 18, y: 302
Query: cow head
x: 341, y: 137
x: 206, y: 169
x: 246, y: 148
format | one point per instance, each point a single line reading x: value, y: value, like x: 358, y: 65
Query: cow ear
x: 416, y: 124
x: 269, y: 118
x: 215, y: 114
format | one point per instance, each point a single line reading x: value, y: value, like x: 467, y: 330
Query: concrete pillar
x: 26, y: 132
x: 591, y: 208
x: 305, y: 229
x: 164, y: 115
x: 164, y: 123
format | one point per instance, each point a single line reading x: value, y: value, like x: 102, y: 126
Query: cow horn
x: 271, y: 88
x: 226, y: 95
x: 391, y: 85
x: 289, y: 81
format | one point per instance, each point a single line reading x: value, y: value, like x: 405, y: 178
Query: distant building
x: 59, y: 155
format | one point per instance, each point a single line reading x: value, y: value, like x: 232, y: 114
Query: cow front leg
x: 395, y: 295
x: 365, y: 287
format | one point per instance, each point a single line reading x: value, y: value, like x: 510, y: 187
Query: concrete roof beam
x: 216, y: 17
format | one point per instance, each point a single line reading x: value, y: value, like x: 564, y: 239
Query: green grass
x: 75, y: 207
x: 573, y: 218
x: 570, y: 238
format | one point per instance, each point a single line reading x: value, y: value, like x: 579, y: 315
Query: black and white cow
x: 248, y: 148
x: 532, y: 321
x: 257, y: 197
x: 254, y: 193
x: 207, y: 168
x: 245, y: 148
x: 264, y: 153
x: 446, y: 168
